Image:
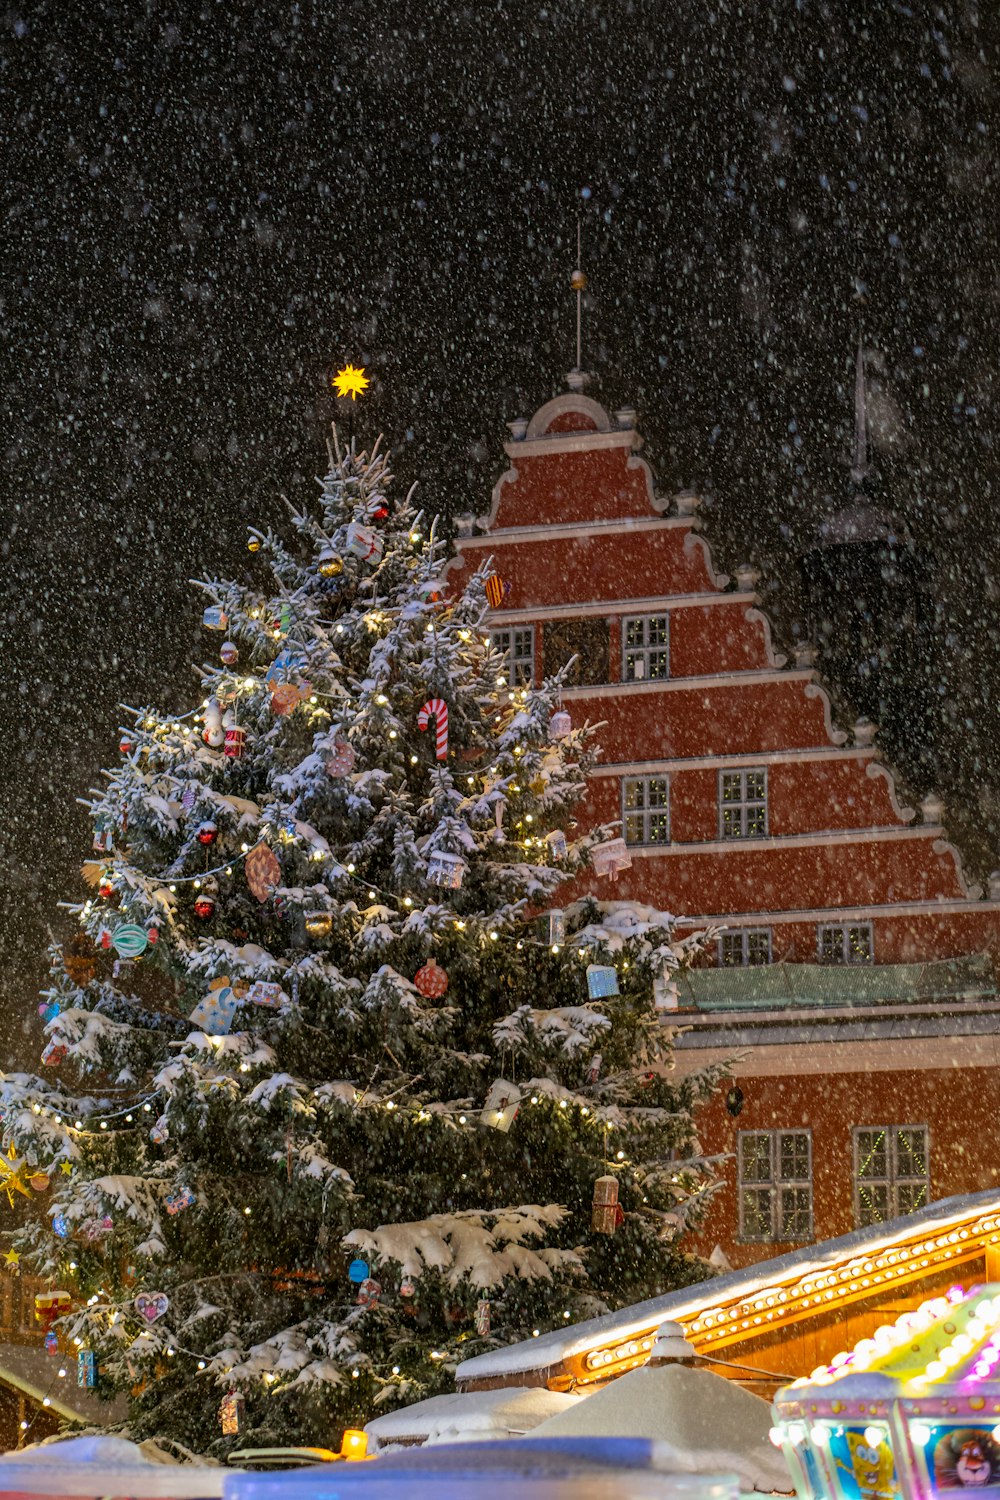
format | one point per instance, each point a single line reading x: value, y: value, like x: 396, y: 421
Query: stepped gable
x: 582, y: 541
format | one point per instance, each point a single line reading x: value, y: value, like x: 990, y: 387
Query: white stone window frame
x: 519, y: 663
x: 744, y: 804
x: 642, y: 654
x: 848, y: 956
x: 893, y: 1180
x: 744, y: 936
x: 774, y: 1187
x: 646, y: 812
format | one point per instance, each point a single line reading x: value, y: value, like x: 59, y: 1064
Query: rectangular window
x: 518, y: 645
x: 891, y: 1171
x: 775, y: 1184
x: 846, y: 943
x: 743, y: 804
x: 745, y: 949
x: 645, y: 648
x: 646, y: 809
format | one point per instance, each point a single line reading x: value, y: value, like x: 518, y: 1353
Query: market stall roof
x: 733, y: 1309
x: 712, y: 1425
x: 470, y: 1417
x: 28, y: 1369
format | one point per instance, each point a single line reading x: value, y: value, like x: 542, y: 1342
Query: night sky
x: 208, y: 208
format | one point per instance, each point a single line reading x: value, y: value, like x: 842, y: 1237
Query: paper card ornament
x: 610, y: 857
x: 358, y: 1270
x: 103, y: 836
x: 558, y: 847
x: 446, y: 870
x: 501, y: 1106
x: 151, y: 1305
x: 48, y: 1010
x: 95, y: 1229
x: 606, y: 1213
x: 86, y: 1369
x: 560, y: 725
x: 54, y: 1053
x: 364, y: 542
x: 281, y: 624
x: 594, y: 1071
x: 175, y: 1203
x: 214, y: 1014
x: 369, y: 1292
x: 267, y: 993
x: 553, y: 928
x: 496, y: 589
x: 602, y: 980
x: 431, y: 980
x: 51, y: 1344
x: 235, y: 741
x: 286, y: 696
x: 215, y: 618
x: 129, y: 940
x: 483, y: 1317
x: 263, y: 871
x: 159, y: 1133
x: 231, y: 1410
x: 341, y: 758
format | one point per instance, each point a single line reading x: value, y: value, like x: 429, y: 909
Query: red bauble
x: 105, y: 890
x: 204, y: 907
x: 152, y: 934
x: 380, y: 512
x: 125, y: 745
x: 431, y: 980
x: 207, y: 833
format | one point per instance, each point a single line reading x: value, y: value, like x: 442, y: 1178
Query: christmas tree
x: 334, y: 1095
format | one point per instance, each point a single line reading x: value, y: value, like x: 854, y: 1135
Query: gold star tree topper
x: 351, y: 382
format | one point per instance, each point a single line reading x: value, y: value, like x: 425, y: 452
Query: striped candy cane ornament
x: 436, y: 709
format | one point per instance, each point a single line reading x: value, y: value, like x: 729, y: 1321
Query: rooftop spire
x: 859, y: 462
x: 578, y: 377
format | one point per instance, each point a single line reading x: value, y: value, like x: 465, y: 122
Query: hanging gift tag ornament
x: 189, y: 797
x: 48, y: 1010
x: 436, y: 709
x: 214, y: 1014
x: 358, y: 1270
x: 265, y: 992
x: 560, y: 725
x: 215, y: 618
x: 151, y: 1305
x: 231, y: 1410
x: 602, y: 980
x: 364, y: 542
x: 282, y: 622
x: 235, y: 741
x: 369, y: 1292
x: 103, y: 836
x: 594, y: 1071
x: 496, y: 589
x: 129, y: 940
x: 502, y: 1104
x: 175, y: 1203
x: 556, y: 840
x: 263, y: 871
x: 93, y: 1230
x: 340, y: 760
x: 286, y: 696
x: 213, y: 733
x: 605, y: 1212
x: 229, y: 652
x: 483, y: 1317
x: 610, y: 857
x: 446, y: 870
x: 54, y: 1053
x: 159, y: 1133
x: 431, y: 980
x: 553, y: 926
x: 86, y: 1369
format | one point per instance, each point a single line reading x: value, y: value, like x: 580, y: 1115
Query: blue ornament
x: 86, y: 1368
x: 59, y: 1225
x: 358, y: 1270
x: 51, y: 1343
x: 48, y: 1010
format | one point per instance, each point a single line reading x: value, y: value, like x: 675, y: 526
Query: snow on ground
x: 470, y: 1417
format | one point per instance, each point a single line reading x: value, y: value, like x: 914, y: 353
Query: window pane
x: 872, y: 1158
x: 635, y: 793
x: 731, y: 950
x: 756, y: 1206
x: 657, y: 630
x: 793, y: 1156
x: 755, y: 786
x: 731, y: 786
x: 910, y: 1196
x: 659, y: 832
x: 911, y: 1153
x: 755, y: 1157
x: 633, y: 632
x: 873, y: 1203
x: 758, y: 947
x: 756, y: 822
x: 633, y: 828
x: 795, y: 1213
x: 859, y: 940
x: 831, y: 945
x: 656, y: 790
x: 657, y: 664
x: 732, y: 825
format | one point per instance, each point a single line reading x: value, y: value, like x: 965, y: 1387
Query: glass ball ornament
x: 330, y: 564
x: 578, y: 281
x: 204, y: 906
x: 229, y: 653
x: 253, y: 544
x: 207, y: 833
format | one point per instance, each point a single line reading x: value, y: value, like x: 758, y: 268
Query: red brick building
x: 854, y: 970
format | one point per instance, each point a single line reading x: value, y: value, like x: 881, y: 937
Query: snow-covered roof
x: 28, y: 1369
x: 466, y: 1417
x: 552, y: 1349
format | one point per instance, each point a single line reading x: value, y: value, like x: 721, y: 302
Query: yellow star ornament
x: 351, y: 382
x: 13, y: 1175
x: 13, y: 1259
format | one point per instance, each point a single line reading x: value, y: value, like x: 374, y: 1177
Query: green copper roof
x: 783, y: 986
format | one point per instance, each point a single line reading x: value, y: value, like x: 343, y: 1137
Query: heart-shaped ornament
x: 151, y: 1305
